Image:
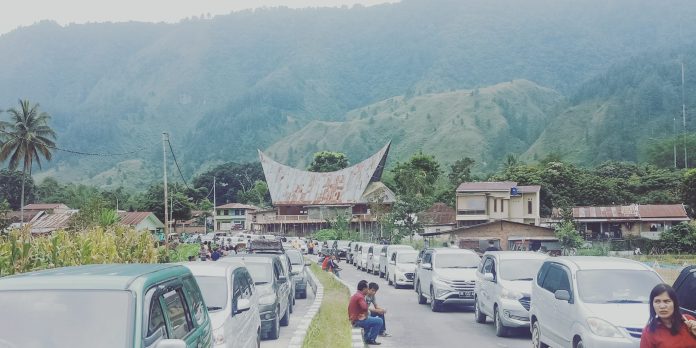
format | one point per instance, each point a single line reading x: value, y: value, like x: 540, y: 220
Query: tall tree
x: 460, y: 171
x: 417, y: 176
x: 327, y: 161
x: 688, y: 191
x: 28, y: 138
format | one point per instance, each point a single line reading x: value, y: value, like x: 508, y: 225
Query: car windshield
x: 214, y: 290
x: 66, y: 318
x: 406, y: 258
x: 522, y: 269
x: 456, y: 261
x: 260, y: 272
x: 295, y: 258
x: 616, y: 285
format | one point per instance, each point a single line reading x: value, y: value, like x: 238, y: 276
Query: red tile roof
x: 438, y: 214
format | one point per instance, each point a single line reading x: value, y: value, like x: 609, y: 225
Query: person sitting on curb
x: 333, y: 266
x: 376, y: 310
x: 358, y: 315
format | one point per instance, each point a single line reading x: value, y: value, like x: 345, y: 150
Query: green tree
x: 402, y: 220
x: 568, y: 237
x: 327, y: 161
x: 29, y: 138
x: 11, y: 188
x: 180, y: 203
x: 231, y: 180
x: 257, y: 195
x: 4, y: 218
x: 417, y: 176
x: 460, y: 171
x: 679, y: 239
x: 688, y: 191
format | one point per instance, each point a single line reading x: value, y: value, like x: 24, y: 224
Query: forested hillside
x: 228, y: 85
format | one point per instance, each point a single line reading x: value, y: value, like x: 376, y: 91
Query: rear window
x: 66, y: 318
x: 214, y: 291
x: 295, y: 258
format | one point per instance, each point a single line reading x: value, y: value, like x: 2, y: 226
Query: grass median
x: 330, y: 327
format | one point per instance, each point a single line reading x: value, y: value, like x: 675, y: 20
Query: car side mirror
x: 562, y: 295
x: 427, y: 266
x: 243, y: 305
x: 307, y: 263
x: 489, y: 277
x: 282, y: 280
x: 392, y: 262
x: 171, y: 343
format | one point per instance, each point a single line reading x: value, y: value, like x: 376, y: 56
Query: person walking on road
x: 358, y: 315
x: 376, y: 310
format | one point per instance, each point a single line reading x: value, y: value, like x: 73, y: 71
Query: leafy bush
x: 568, y: 236
x: 679, y: 239
x: 325, y: 234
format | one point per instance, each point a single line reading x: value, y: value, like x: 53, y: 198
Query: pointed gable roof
x: 290, y: 186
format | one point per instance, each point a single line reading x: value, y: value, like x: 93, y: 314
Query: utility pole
x: 166, y: 210
x: 214, y: 204
x: 686, y: 163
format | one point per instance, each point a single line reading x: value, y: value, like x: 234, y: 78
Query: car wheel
x: 478, y: 315
x: 258, y: 338
x: 275, y: 329
x: 500, y: 329
x: 421, y: 298
x: 291, y: 303
x: 536, y: 336
x: 435, y: 305
x: 285, y: 321
x: 381, y: 274
x: 579, y: 344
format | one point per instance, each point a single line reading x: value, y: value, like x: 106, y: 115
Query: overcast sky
x: 15, y: 13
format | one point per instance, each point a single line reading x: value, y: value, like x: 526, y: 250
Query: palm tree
x: 27, y: 138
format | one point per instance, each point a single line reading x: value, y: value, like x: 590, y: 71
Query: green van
x: 124, y: 305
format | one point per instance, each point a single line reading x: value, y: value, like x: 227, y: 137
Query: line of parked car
x: 573, y: 301
x: 234, y: 302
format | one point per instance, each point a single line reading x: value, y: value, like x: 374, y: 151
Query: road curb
x: 355, y: 334
x: 301, y: 332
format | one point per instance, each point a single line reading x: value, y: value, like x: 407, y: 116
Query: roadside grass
x: 330, y: 327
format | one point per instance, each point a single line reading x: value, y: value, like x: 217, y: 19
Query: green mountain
x: 225, y: 86
x: 484, y: 124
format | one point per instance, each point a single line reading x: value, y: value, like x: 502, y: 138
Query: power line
x: 177, y: 164
x: 75, y: 151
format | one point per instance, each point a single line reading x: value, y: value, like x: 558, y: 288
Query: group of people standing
x: 364, y: 312
x: 208, y: 252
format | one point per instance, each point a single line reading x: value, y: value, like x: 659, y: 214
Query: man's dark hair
x: 362, y: 285
x: 373, y: 286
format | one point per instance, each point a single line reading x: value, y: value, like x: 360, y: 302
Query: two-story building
x: 305, y: 202
x: 482, y: 202
x: 233, y: 216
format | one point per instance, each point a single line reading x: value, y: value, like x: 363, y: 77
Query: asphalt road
x: 414, y: 325
x: 301, y: 308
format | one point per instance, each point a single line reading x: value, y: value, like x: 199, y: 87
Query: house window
x: 529, y: 207
x: 495, y: 205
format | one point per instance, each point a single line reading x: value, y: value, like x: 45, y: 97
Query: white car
x: 590, y: 301
x: 402, y: 267
x: 446, y: 276
x: 385, y: 255
x: 503, y: 288
x: 230, y: 295
x: 365, y: 254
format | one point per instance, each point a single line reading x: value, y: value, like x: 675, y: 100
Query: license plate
x: 466, y: 294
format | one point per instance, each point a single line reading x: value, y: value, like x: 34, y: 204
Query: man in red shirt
x: 358, y: 315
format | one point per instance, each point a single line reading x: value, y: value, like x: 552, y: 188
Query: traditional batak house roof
x: 352, y: 185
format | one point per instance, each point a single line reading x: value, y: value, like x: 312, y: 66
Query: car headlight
x: 400, y: 270
x: 511, y: 294
x: 267, y: 299
x: 219, y: 335
x: 603, y: 328
x: 441, y: 283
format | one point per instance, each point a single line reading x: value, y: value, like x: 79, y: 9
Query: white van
x: 365, y: 253
x: 401, y: 268
x: 385, y: 256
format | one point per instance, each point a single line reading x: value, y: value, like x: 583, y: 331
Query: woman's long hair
x: 676, y: 318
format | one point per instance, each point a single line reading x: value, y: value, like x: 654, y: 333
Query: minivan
x: 385, y: 255
x: 232, y: 301
x: 402, y: 268
x: 590, y: 301
x: 503, y: 288
x: 446, y: 276
x: 109, y: 305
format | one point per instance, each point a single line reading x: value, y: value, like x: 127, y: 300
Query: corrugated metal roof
x: 438, y: 214
x: 52, y: 222
x: 132, y: 218
x: 45, y: 206
x: 237, y: 206
x: 662, y: 211
x: 529, y: 189
x: 486, y: 186
x: 290, y: 186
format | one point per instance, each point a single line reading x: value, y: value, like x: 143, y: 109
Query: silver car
x: 503, y: 288
x: 591, y: 301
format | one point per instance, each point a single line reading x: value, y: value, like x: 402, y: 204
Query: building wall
x: 499, y: 206
x: 501, y: 232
